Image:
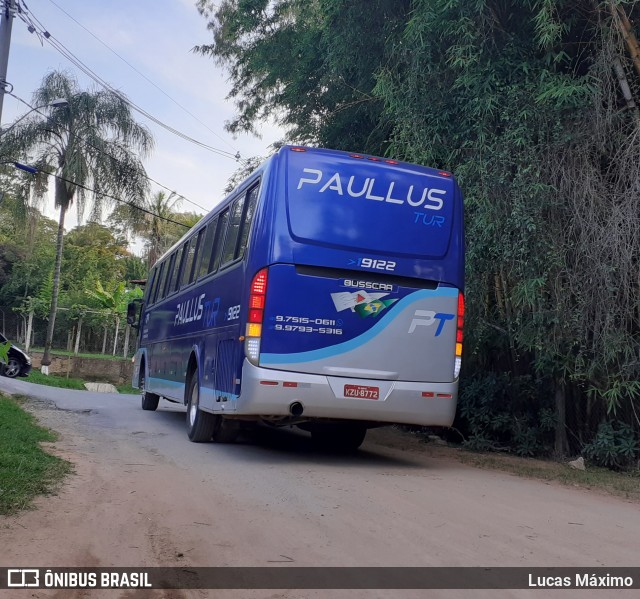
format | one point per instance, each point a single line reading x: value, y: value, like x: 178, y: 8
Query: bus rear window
x: 369, y: 206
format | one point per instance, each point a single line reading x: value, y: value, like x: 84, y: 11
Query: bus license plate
x: 361, y: 391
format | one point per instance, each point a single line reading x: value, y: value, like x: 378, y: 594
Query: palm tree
x: 91, y: 144
x: 155, y: 225
x: 156, y: 231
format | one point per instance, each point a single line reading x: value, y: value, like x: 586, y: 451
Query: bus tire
x: 150, y: 401
x: 200, y: 425
x: 225, y: 430
x: 338, y: 436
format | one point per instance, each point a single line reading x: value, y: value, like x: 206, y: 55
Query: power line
x: 102, y: 193
x: 107, y: 195
x: 142, y: 74
x: 180, y: 196
x: 29, y: 19
x: 59, y: 46
x: 86, y: 143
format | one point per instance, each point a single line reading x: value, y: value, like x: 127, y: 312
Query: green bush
x: 498, y: 412
x: 615, y: 446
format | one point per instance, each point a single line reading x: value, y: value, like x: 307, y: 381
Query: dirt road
x: 143, y: 495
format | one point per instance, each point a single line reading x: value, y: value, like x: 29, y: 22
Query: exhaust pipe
x: 296, y: 409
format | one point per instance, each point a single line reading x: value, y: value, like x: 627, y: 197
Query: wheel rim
x: 12, y: 369
x: 141, y: 387
x: 193, y: 405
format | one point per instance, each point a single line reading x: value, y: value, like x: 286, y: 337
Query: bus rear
x: 356, y: 313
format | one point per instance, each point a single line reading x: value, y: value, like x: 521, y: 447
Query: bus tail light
x: 253, y: 333
x: 459, y: 335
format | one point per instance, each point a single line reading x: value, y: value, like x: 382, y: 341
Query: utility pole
x: 5, y: 41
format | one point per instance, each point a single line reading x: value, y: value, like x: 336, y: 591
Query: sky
x: 156, y: 37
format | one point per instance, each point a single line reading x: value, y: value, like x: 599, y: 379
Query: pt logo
x: 426, y: 318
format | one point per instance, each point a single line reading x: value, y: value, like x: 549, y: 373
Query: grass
x: 26, y: 470
x: 64, y: 352
x: 54, y: 380
x: 622, y: 484
x: 128, y: 389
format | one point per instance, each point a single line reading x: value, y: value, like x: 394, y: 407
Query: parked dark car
x: 19, y: 364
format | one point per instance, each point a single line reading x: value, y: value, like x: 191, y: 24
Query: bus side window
x: 152, y: 285
x: 233, y: 231
x: 158, y: 284
x: 167, y: 279
x: 175, y: 275
x: 249, y: 211
x: 216, y: 252
x: 187, y: 271
x: 196, y: 257
x: 205, y: 253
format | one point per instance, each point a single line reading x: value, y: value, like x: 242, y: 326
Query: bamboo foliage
x: 533, y: 105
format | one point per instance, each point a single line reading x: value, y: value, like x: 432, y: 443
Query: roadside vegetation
x: 534, y: 107
x: 26, y: 470
x: 67, y: 353
x: 54, y: 380
x: 623, y: 484
x: 70, y: 289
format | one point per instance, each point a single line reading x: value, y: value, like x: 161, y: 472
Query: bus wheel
x: 200, y: 425
x: 338, y: 436
x: 225, y: 430
x: 150, y: 401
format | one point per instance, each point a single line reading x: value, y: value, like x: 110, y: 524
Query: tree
x: 4, y: 355
x: 92, y: 147
x: 310, y: 65
x: 35, y: 248
x: 533, y: 105
x: 10, y: 255
x: 30, y: 238
x: 92, y: 253
x: 522, y: 101
x: 160, y: 226
x: 114, y: 301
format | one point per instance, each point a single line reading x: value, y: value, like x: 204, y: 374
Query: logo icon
x: 426, y: 318
x: 21, y: 578
x: 362, y: 302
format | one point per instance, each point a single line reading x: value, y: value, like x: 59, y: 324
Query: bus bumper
x: 268, y: 393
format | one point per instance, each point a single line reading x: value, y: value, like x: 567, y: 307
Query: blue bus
x: 326, y: 291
